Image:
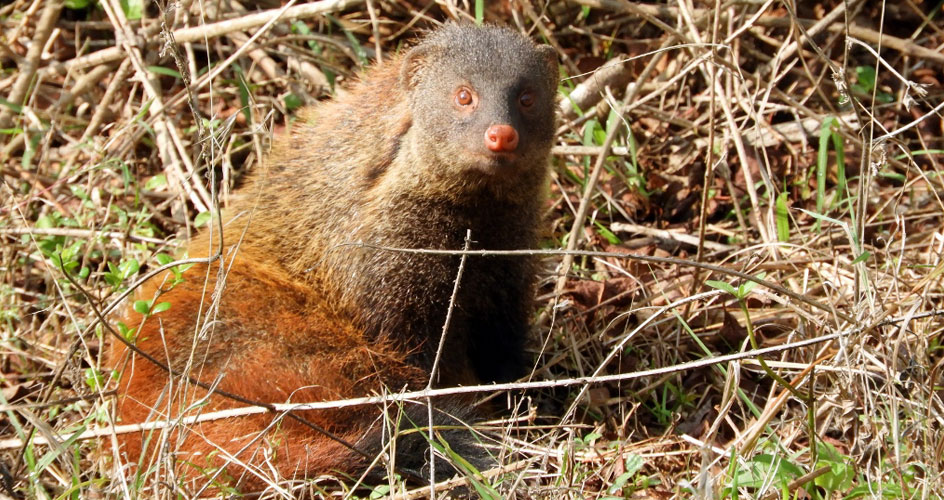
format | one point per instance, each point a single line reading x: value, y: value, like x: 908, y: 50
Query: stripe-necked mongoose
x: 453, y: 136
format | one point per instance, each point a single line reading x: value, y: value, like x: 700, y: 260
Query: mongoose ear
x: 550, y: 58
x: 413, y: 63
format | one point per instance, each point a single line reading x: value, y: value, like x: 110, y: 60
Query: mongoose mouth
x: 491, y: 162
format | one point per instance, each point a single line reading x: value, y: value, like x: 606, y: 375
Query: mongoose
x: 452, y: 136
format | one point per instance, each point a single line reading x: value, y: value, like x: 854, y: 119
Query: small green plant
x: 841, y: 470
x: 635, y: 177
x: 668, y: 402
x: 94, y: 379
x: 740, y: 293
x: 116, y: 275
x: 482, y: 488
x: 126, y: 332
x: 761, y: 472
x: 893, y: 482
x: 177, y: 271
x: 829, y: 134
x: 782, y: 214
x: 623, y: 486
x: 149, y: 307
x: 587, y: 441
x: 379, y: 491
x: 865, y: 84
x: 66, y: 257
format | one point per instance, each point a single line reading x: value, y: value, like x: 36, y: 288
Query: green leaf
x: 781, y: 214
x: 112, y: 275
x: 634, y: 463
x: 746, y: 287
x: 126, y: 332
x: 134, y: 9
x: 920, y: 152
x: 862, y: 257
x: 142, y: 306
x: 591, y: 437
x: 202, y: 218
x: 822, y: 157
x: 841, y: 470
x: 245, y: 94
x: 54, y: 452
x: 589, y: 131
x: 301, y: 28
x: 79, y: 192
x: 94, y: 379
x: 47, y: 221
x: 866, y: 82
x: 128, y: 268
x: 64, y: 257
x: 875, y: 490
x: 762, y: 468
x: 16, y: 108
x: 483, y: 489
x: 613, y: 120
x: 866, y: 79
x: 895, y: 176
x: 292, y: 102
x: 606, y: 233
x: 379, y: 491
x: 144, y: 111
x: 76, y: 4
x: 160, y: 307
x: 619, y: 483
x: 599, y: 136
x: 158, y: 181
x: 721, y: 285
x: 163, y: 259
x: 160, y: 70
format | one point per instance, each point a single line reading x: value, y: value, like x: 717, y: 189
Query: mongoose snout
x: 501, y: 138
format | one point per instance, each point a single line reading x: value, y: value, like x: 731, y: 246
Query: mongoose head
x: 482, y: 102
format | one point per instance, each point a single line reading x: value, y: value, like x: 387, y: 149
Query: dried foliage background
x: 795, y: 142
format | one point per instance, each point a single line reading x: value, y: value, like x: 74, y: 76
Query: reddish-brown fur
x: 282, y: 366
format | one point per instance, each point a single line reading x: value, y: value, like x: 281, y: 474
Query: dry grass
x: 721, y: 141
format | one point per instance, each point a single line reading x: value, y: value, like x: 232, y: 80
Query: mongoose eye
x: 526, y: 99
x: 464, y: 97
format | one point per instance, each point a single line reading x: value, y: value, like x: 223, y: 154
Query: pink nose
x: 501, y: 138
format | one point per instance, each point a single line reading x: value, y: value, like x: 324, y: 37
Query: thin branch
x: 416, y: 396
